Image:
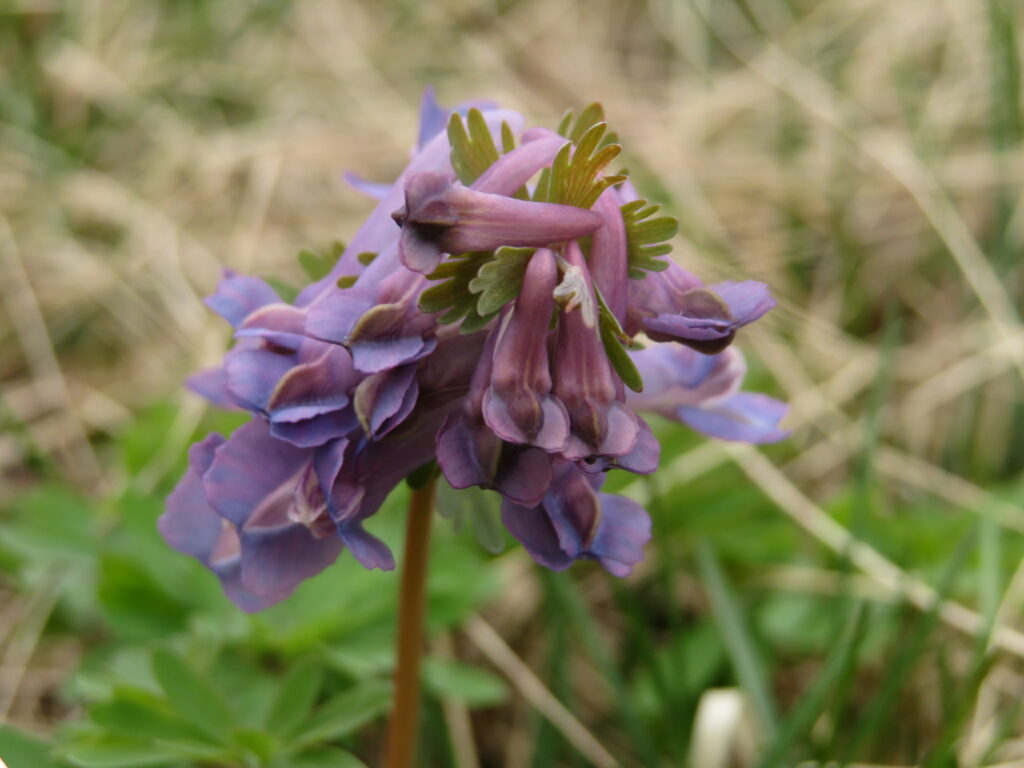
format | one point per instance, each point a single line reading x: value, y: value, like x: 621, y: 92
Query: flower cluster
x: 483, y: 317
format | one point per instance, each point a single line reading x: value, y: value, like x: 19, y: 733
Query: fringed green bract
x: 614, y: 338
x: 499, y: 279
x: 473, y: 149
x: 647, y: 236
x: 575, y: 175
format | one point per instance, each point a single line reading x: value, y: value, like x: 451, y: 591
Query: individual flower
x: 575, y: 521
x: 518, y: 405
x: 441, y: 217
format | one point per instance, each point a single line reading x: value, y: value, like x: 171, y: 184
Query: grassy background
x: 853, y: 594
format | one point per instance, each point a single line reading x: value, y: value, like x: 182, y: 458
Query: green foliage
x: 499, y: 279
x: 574, y: 177
x: 472, y: 686
x: 473, y: 149
x: 20, y: 750
x: 318, y: 265
x: 647, y: 237
x: 614, y: 338
x: 574, y: 129
x: 482, y: 510
x: 286, y: 291
x: 452, y: 295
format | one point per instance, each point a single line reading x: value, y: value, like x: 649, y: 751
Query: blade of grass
x: 911, y: 649
x: 836, y: 668
x: 740, y: 644
x: 572, y: 605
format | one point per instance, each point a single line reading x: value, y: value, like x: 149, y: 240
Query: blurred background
x: 851, y: 596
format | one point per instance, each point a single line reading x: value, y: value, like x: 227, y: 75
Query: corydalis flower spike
x: 510, y: 371
x: 518, y: 405
x: 439, y: 217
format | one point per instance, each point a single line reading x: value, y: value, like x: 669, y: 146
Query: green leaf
x: 613, y: 337
x: 295, y: 698
x: 474, y: 686
x: 21, y: 750
x: 499, y: 280
x: 191, y: 695
x: 286, y: 291
x: 259, y: 744
x: 482, y: 508
x: 473, y: 150
x: 740, y: 644
x: 508, y: 139
x: 620, y: 360
x: 591, y: 115
x: 137, y: 604
x: 51, y: 523
x: 102, y: 751
x: 473, y: 321
x: 452, y: 295
x: 565, y: 124
x: 346, y: 281
x: 328, y: 757
x: 365, y: 655
x: 347, y: 712
x: 314, y: 265
x: 138, y: 714
x: 366, y: 258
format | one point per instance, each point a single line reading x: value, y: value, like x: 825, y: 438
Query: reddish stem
x: 401, y: 746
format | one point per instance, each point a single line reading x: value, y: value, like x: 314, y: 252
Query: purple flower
x: 518, y: 405
x: 470, y: 453
x: 575, y: 521
x: 441, y: 217
x: 601, y: 425
x: 519, y: 379
x: 702, y: 391
x: 674, y: 306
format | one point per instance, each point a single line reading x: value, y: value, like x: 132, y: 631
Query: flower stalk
x: 401, y: 744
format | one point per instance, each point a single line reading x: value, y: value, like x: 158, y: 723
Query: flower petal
x: 314, y: 388
x: 316, y: 431
x: 746, y: 416
x: 277, y: 559
x: 512, y: 170
x: 239, y: 295
x: 248, y: 471
x: 252, y: 375
x: 532, y: 528
x: 675, y: 376
x: 212, y: 384
x: 376, y: 190
x: 383, y: 400
x: 439, y: 217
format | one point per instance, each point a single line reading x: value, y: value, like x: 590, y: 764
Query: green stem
x: 401, y: 746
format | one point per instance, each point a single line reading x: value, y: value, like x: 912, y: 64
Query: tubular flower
x: 482, y: 317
